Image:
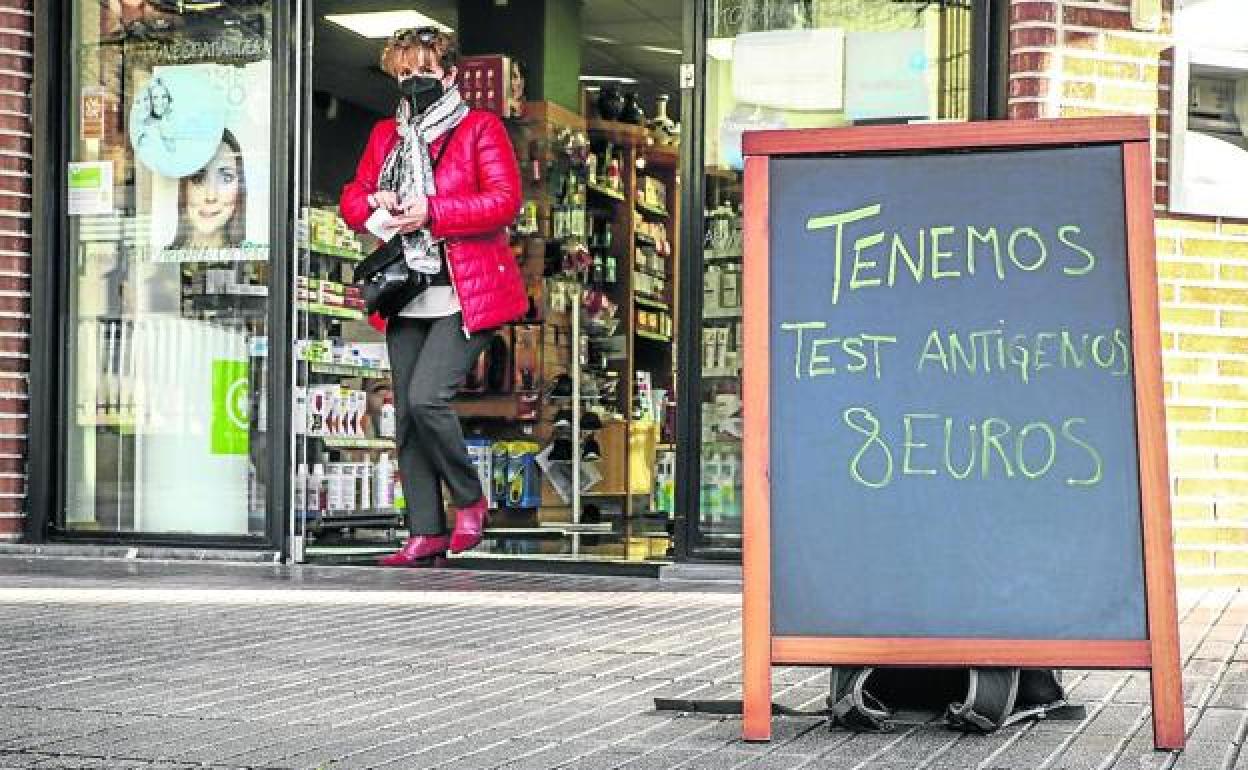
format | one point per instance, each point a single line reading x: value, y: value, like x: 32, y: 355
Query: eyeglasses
x: 427, y: 36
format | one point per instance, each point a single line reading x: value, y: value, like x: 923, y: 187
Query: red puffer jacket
x: 478, y: 196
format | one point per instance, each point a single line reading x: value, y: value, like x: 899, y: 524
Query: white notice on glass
x: 90, y: 188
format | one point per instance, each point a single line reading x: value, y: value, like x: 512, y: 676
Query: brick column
x: 1073, y: 58
x: 16, y: 74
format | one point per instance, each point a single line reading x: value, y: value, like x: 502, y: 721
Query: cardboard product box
x: 526, y: 356
x: 524, y: 480
x: 552, y: 509
x: 484, y: 81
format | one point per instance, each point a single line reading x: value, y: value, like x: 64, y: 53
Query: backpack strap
x: 851, y: 705
x: 998, y: 697
x: 989, y: 703
x: 728, y: 707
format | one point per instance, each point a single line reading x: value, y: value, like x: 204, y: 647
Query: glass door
x: 165, y: 320
x: 793, y: 65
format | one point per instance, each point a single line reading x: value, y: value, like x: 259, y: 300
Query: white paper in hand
x: 381, y: 224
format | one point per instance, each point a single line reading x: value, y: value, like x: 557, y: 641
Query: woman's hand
x: 385, y: 199
x: 414, y: 216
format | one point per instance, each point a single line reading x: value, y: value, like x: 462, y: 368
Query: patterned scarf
x: 408, y: 169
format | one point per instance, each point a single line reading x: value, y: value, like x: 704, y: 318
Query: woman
x: 212, y: 202
x: 453, y: 223
x: 159, y: 116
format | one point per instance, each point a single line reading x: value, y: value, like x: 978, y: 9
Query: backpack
x: 870, y: 699
x: 971, y: 699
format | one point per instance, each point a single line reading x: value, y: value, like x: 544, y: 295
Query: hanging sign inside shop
x: 954, y: 418
x: 791, y: 69
x: 887, y: 75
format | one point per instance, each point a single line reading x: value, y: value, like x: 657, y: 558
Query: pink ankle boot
x: 469, y: 521
x: 419, y: 551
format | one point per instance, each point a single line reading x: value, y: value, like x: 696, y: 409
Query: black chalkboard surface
x: 952, y: 408
x: 955, y: 439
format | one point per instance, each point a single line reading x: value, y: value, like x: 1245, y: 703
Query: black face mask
x: 421, y: 91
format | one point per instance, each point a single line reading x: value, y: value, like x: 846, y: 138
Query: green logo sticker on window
x: 85, y: 177
x: 231, y: 407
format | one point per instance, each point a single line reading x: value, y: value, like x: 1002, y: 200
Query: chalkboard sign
x: 954, y: 379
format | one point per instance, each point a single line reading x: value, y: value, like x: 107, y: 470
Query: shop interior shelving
x: 719, y: 484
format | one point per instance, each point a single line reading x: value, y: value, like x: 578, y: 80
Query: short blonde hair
x: 423, y: 43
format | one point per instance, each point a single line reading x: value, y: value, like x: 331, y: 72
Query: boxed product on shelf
x: 321, y: 225
x: 638, y: 548
x: 313, y: 351
x: 524, y: 487
x: 652, y: 191
x: 664, y: 495
x: 515, y: 479
x: 498, y: 472
x: 299, y: 409
x: 481, y: 452
x: 370, y: 354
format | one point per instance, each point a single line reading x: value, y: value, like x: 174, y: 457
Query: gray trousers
x: 429, y: 358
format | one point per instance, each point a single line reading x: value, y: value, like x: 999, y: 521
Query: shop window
x: 168, y: 231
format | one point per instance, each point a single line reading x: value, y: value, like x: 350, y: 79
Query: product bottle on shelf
x: 383, y: 483
x: 386, y: 425
x: 364, y: 475
x: 301, y: 488
x: 316, y: 490
x: 728, y: 501
x: 614, y: 181
x: 349, y: 487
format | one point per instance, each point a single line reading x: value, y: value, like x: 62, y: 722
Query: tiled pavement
x: 120, y: 665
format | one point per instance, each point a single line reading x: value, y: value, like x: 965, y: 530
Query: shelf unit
x: 721, y: 461
x: 641, y: 291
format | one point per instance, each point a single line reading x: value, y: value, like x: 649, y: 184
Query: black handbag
x: 385, y: 281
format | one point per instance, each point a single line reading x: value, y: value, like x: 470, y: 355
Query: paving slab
x: 233, y: 667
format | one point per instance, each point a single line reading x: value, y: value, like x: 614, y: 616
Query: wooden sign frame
x: 1159, y: 653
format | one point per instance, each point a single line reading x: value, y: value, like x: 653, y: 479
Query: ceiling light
x: 384, y: 23
x: 607, y: 79
x: 660, y: 49
x: 719, y: 48
x: 599, y: 39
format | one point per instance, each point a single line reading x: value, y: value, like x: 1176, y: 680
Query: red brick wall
x: 16, y: 73
x: 1080, y: 57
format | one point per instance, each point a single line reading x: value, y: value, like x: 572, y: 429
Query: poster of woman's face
x: 222, y: 202
x: 212, y: 202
